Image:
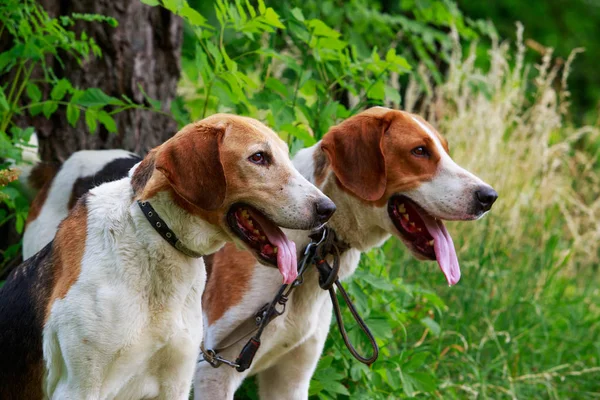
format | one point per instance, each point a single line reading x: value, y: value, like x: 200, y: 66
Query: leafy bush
x: 33, y: 37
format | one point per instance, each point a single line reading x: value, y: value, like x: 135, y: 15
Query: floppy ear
x: 355, y: 152
x: 191, y: 162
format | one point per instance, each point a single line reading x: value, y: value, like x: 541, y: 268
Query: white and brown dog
x: 389, y: 173
x: 111, y: 308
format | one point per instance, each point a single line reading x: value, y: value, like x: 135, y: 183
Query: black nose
x: 486, y: 196
x: 325, y: 209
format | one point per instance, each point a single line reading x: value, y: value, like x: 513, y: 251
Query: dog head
x: 235, y: 173
x: 398, y: 164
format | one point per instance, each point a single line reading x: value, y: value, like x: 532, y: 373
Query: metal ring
x: 150, y: 213
x: 158, y: 225
x: 168, y: 235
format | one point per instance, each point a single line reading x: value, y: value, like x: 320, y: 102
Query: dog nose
x: 325, y: 209
x: 486, y: 196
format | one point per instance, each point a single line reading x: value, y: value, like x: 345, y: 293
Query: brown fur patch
x: 143, y: 172
x: 41, y: 179
x: 321, y: 163
x: 41, y: 174
x: 191, y: 162
x: 231, y: 271
x: 69, y: 246
x: 371, y: 157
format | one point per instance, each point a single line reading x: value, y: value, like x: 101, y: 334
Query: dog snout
x: 324, y: 209
x: 485, y: 196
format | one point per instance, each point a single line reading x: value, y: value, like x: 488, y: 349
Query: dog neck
x: 193, y: 231
x: 355, y: 222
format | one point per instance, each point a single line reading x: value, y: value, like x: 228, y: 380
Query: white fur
x: 40, y: 231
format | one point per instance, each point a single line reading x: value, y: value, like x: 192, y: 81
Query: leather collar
x: 163, y: 229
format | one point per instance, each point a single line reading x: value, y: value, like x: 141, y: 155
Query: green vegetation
x: 524, y: 322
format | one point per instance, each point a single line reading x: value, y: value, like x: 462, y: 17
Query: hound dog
x: 389, y: 173
x: 111, y: 308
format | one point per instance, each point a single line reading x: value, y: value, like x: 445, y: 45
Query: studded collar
x: 163, y: 229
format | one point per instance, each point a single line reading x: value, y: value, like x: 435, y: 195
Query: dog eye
x: 420, y: 151
x: 258, y: 158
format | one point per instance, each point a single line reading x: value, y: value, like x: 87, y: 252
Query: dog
x: 111, y: 307
x: 389, y: 173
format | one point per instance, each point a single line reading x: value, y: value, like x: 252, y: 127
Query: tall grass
x: 524, y: 322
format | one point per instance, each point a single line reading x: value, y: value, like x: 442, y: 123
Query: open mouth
x: 426, y: 235
x: 264, y: 238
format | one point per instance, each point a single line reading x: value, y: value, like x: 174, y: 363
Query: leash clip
x: 214, y: 360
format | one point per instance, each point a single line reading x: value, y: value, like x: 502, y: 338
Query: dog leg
x: 216, y: 383
x: 177, y: 362
x: 290, y: 377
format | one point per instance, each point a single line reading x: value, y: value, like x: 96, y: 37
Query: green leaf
x: 193, y: 16
x: 297, y: 13
x: 19, y: 223
x: 321, y: 29
x: 277, y: 86
x: 60, y: 89
x: 407, y: 383
x: 261, y: 7
x: 377, y: 91
x: 335, y: 387
x: 150, y: 2
x: 72, y: 114
x: 154, y: 103
x: 392, y: 94
x: 433, y: 326
x: 272, y: 18
x: 424, y: 382
x: 94, y: 97
x: 107, y: 121
x: 3, y: 102
x: 33, y: 92
x: 49, y: 108
x: 91, y: 119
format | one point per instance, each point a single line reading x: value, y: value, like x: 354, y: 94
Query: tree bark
x: 145, y: 49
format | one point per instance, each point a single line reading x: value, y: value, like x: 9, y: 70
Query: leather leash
x: 323, y: 243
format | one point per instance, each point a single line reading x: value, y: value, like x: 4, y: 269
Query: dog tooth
x: 275, y: 250
x: 406, y: 216
x: 412, y: 224
x: 263, y: 238
x: 401, y: 208
x: 419, y: 229
x: 250, y: 223
x: 256, y: 232
x: 430, y: 242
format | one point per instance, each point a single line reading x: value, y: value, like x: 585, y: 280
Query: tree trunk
x: 145, y: 49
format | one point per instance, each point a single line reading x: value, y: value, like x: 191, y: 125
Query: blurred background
x: 513, y: 85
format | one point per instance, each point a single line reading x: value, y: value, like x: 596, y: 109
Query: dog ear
x: 191, y: 163
x: 355, y: 152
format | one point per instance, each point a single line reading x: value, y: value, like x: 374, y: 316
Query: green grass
x: 520, y: 328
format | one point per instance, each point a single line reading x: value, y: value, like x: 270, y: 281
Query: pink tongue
x: 444, y: 248
x: 286, y: 249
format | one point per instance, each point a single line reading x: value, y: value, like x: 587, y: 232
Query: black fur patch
x: 114, y: 170
x: 23, y: 301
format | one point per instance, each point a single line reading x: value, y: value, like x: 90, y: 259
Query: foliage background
x: 524, y: 321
